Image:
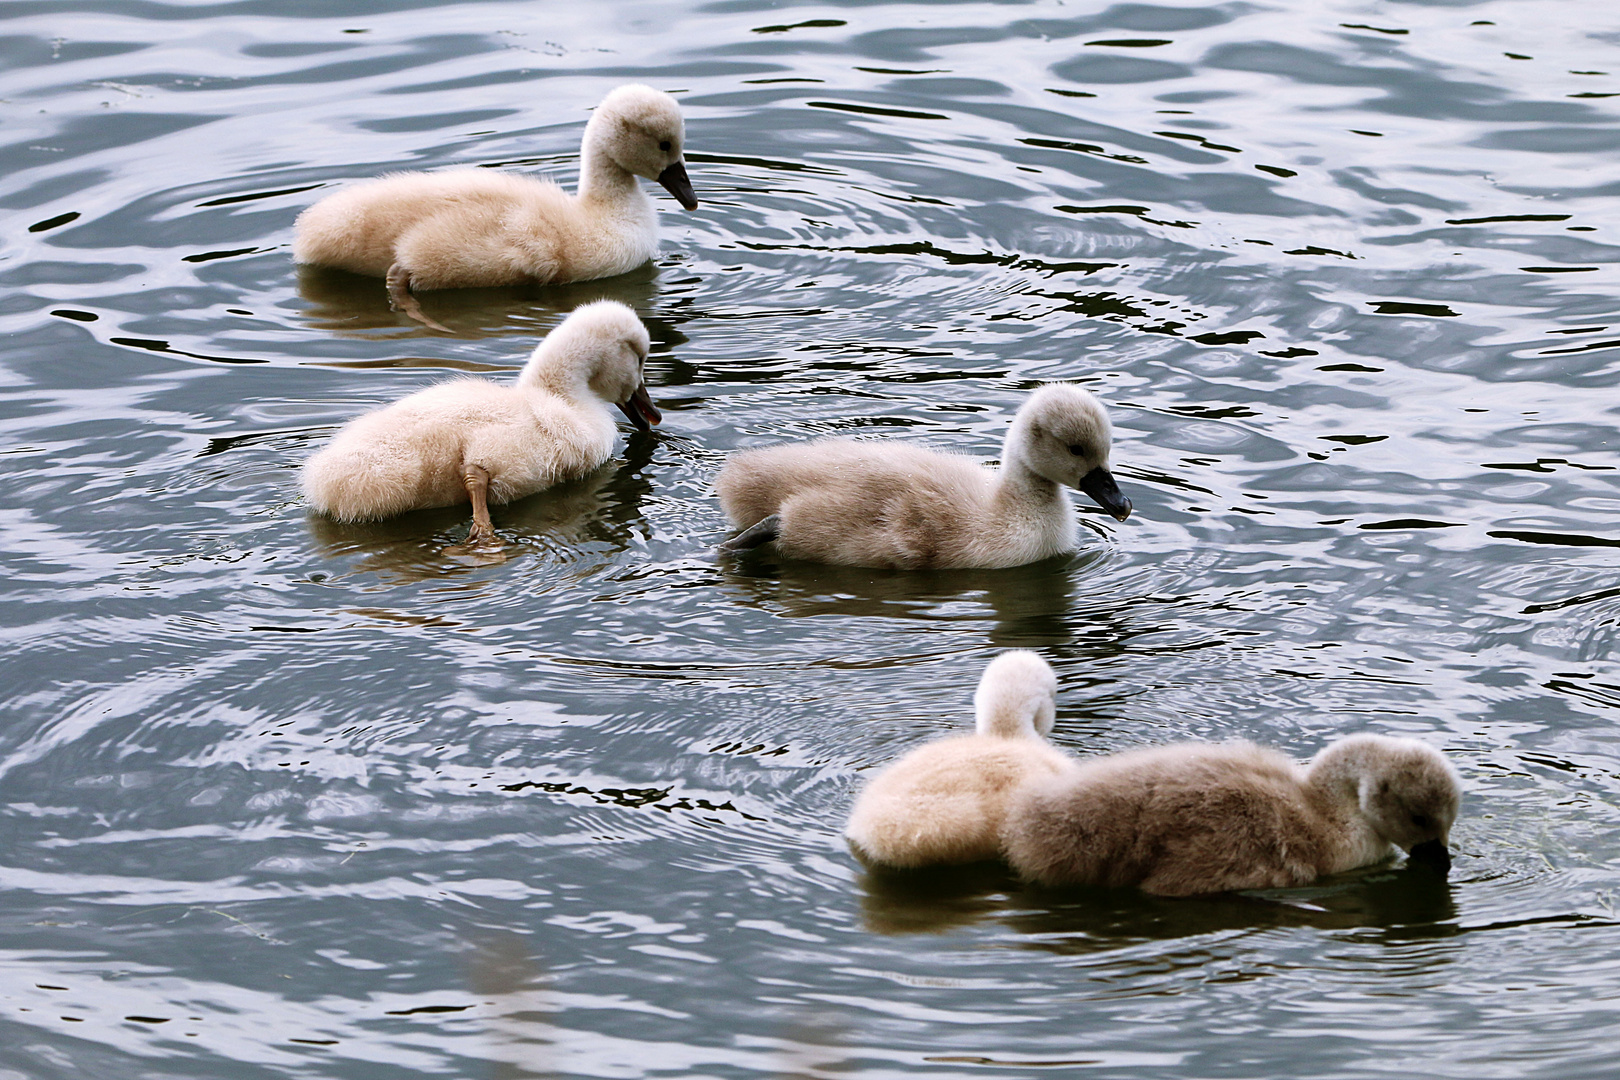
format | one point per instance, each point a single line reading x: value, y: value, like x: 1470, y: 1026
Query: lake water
x: 280, y: 798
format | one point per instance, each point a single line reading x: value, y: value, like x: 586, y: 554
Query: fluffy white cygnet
x: 471, y: 227
x: 944, y: 802
x: 1209, y: 817
x: 472, y: 440
x: 887, y: 504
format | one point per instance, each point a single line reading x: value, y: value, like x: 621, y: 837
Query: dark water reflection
x: 344, y: 303
x: 1030, y: 606
x: 1404, y: 903
x: 281, y: 797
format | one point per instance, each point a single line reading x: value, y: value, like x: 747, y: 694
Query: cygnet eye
x: 664, y: 146
x: 1077, y: 450
x: 1420, y: 821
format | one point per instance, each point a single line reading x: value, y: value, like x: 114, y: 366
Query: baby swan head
x: 641, y: 131
x: 1404, y: 789
x: 602, y: 347
x: 1062, y: 433
x: 1017, y: 697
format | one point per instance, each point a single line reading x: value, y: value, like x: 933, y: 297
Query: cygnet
x: 1210, y: 817
x: 472, y: 227
x: 944, y: 802
x: 472, y: 440
x: 887, y: 504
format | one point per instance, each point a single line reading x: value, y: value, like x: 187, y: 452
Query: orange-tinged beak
x: 640, y: 409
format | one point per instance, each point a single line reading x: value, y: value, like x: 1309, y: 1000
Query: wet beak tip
x: 1099, y: 485
x: 1432, y: 854
x: 675, y: 181
x: 640, y: 410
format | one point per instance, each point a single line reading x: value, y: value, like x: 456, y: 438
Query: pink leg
x: 401, y: 299
x: 482, y: 533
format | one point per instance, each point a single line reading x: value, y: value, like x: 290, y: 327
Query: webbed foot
x: 761, y: 532
x: 481, y: 537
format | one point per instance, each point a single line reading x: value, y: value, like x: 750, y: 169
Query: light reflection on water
x: 282, y: 796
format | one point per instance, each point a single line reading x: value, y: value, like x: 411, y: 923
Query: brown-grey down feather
x: 1173, y: 820
x: 885, y: 504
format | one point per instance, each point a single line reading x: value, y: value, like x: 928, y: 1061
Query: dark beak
x: 640, y: 410
x: 1099, y: 484
x: 677, y: 183
x: 1433, y: 854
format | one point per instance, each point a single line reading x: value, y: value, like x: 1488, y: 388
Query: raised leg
x: 760, y: 532
x: 400, y: 298
x: 482, y: 533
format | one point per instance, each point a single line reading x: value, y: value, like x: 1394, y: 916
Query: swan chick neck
x: 1402, y: 791
x: 1017, y: 697
x: 599, y: 351
x: 635, y: 131
x: 1061, y: 436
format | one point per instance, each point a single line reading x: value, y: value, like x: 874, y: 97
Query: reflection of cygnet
x: 1199, y: 817
x: 887, y: 504
x: 474, y: 227
x: 471, y: 440
x: 944, y: 802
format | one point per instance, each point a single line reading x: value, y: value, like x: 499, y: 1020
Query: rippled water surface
x: 284, y: 798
